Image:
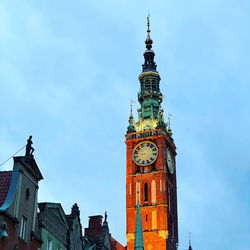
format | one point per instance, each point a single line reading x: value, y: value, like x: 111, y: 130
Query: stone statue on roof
x: 29, y: 148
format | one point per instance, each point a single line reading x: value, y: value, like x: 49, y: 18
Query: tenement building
x: 18, y: 204
x: 151, y: 168
x: 23, y: 227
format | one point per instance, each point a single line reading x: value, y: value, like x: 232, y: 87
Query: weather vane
x: 148, y: 22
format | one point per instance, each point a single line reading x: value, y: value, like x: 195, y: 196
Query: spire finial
x: 148, y: 41
x: 131, y: 107
x: 169, y: 128
x: 148, y: 22
x: 190, y: 247
x: 169, y: 118
x: 131, y: 126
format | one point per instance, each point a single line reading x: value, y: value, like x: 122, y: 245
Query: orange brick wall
x: 13, y: 239
x: 156, y: 238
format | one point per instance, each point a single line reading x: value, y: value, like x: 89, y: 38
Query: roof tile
x: 5, y: 180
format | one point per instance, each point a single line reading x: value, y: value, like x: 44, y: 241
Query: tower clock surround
x: 151, y: 165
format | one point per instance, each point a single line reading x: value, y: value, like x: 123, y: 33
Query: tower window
x: 153, y: 192
x: 154, y: 220
x: 154, y: 84
x: 138, y: 192
x: 147, y: 84
x: 146, y: 191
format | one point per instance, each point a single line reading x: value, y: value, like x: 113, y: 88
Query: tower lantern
x: 151, y: 165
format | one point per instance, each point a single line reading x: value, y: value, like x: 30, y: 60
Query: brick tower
x: 151, y: 169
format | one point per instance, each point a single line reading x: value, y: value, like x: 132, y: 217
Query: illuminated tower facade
x: 151, y: 166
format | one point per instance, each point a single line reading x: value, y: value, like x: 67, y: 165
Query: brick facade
x: 159, y: 219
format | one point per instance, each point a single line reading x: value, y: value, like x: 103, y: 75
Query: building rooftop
x: 5, y: 180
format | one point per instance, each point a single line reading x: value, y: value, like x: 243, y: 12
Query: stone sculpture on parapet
x: 29, y: 148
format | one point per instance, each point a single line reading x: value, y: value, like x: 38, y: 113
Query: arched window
x: 153, y: 192
x: 138, y: 192
x: 154, y: 220
x: 146, y: 191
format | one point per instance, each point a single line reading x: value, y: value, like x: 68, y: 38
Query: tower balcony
x: 155, y: 94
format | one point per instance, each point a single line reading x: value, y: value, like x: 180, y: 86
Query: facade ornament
x: 105, y: 216
x: 131, y: 121
x: 161, y: 123
x: 169, y: 128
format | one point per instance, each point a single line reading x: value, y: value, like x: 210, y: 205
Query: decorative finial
x: 29, y: 148
x: 190, y: 247
x: 131, y: 107
x: 148, y: 22
x: 169, y: 118
x: 131, y: 126
x: 148, y: 41
x: 105, y: 216
x: 169, y: 128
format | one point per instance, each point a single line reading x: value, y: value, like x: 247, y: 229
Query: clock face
x: 170, y: 161
x: 145, y: 153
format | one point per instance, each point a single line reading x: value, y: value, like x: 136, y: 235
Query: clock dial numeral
x: 145, y: 153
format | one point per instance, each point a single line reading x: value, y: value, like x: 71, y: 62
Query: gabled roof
x: 9, y: 183
x: 30, y: 165
x: 5, y: 180
x: 116, y: 244
x: 54, y: 208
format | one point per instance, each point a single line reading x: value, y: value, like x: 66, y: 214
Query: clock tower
x: 151, y: 165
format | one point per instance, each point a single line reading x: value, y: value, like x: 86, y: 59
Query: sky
x: 68, y: 70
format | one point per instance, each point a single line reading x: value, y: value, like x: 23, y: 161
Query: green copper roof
x: 138, y: 230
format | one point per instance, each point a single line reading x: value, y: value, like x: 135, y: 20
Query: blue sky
x: 68, y: 70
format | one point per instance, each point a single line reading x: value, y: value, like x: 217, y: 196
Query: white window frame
x: 49, y: 244
x: 23, y: 228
